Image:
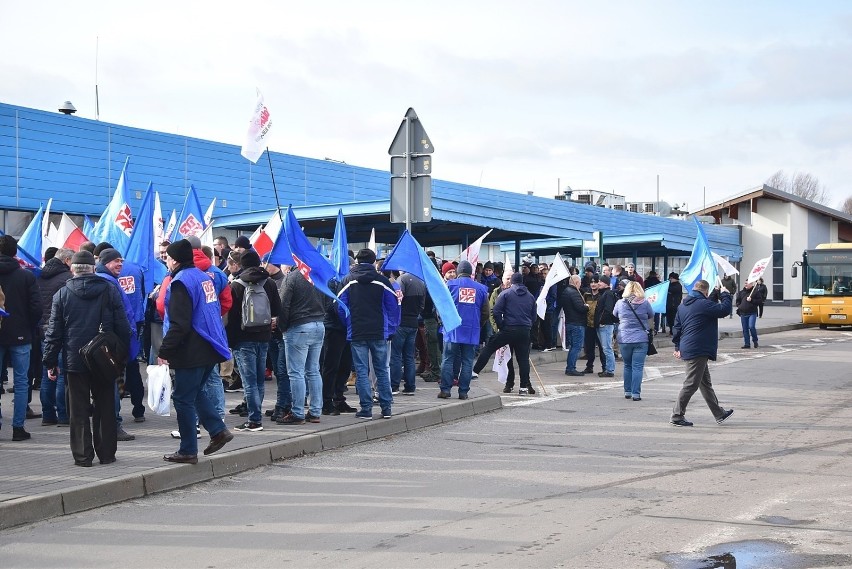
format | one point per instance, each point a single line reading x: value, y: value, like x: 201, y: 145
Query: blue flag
x: 409, y: 256
x: 141, y: 247
x: 340, y: 248
x: 657, y: 296
x: 116, y: 222
x: 88, y: 227
x: 29, y: 245
x: 316, y: 269
x: 191, y: 218
x: 701, y: 264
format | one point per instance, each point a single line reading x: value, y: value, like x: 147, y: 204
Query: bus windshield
x: 829, y: 273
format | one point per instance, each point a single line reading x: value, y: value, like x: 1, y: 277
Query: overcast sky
x: 514, y: 95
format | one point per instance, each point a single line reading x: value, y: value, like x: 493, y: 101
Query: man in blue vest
x: 109, y: 266
x: 194, y: 341
x: 471, y: 299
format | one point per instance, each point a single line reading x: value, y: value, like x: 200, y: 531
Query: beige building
x: 776, y: 223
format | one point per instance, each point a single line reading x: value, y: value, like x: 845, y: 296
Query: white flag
x: 556, y: 273
x: 758, y: 269
x: 171, y: 226
x: 372, y: 244
x: 727, y: 268
x: 471, y: 254
x: 159, y: 225
x: 501, y: 363
x: 507, y: 271
x: 257, y: 136
x: 208, y: 215
x: 46, y: 235
x: 562, y: 331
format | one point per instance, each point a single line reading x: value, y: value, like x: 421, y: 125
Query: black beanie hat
x: 83, y: 258
x: 250, y: 259
x: 242, y: 241
x: 108, y: 255
x: 180, y: 251
x: 100, y: 247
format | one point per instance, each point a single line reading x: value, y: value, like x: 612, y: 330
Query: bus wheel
x: 823, y: 326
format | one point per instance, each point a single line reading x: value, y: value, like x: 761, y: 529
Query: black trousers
x: 133, y: 385
x: 589, y: 342
x: 81, y: 393
x: 518, y: 339
x: 335, y: 366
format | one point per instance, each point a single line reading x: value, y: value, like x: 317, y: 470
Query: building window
x: 586, y: 199
x: 634, y: 207
x: 618, y: 206
x: 777, y: 266
x: 649, y: 208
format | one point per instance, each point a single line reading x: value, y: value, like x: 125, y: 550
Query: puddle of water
x: 782, y: 521
x: 752, y: 555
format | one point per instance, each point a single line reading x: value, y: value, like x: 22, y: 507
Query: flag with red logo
x: 191, y: 218
x: 116, y: 222
x: 293, y: 248
x: 257, y: 136
x: 758, y: 269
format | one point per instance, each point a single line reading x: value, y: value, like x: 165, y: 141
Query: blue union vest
x: 469, y: 296
x: 206, y: 319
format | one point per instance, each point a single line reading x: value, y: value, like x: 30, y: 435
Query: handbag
x: 105, y: 355
x: 652, y: 349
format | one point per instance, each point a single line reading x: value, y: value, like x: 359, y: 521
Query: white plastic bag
x: 159, y: 390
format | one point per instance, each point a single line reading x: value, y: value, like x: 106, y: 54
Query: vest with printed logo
x: 469, y: 296
x: 206, y: 318
x: 130, y: 280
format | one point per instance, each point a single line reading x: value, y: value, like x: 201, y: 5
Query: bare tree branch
x: 803, y: 184
x: 846, y: 207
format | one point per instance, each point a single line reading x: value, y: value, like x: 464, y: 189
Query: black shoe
x: 139, y: 419
x: 444, y: 395
x: 238, y: 409
x: 755, y: 345
x: 724, y: 416
x: 48, y: 423
x: 681, y: 423
x: 530, y: 390
x: 311, y: 418
x: 606, y: 374
x: 84, y: 463
x: 64, y: 423
x: 20, y: 434
x: 32, y: 414
x: 589, y: 370
x: 573, y: 373
x: 628, y: 396
x: 509, y: 388
x: 462, y: 395
x: 344, y: 407
x: 408, y: 391
x: 290, y: 419
x: 103, y: 461
x: 637, y: 399
x: 745, y: 347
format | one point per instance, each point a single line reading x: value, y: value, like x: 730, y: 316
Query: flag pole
x: 543, y: 390
x: 274, y: 187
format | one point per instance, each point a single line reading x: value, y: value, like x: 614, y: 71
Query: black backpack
x: 105, y: 355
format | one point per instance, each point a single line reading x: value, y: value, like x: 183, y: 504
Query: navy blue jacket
x: 696, y: 328
x: 514, y: 307
x: 372, y: 302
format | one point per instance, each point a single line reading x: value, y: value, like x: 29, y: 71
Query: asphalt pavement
x: 38, y: 479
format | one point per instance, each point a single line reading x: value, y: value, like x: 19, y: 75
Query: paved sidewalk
x: 38, y: 479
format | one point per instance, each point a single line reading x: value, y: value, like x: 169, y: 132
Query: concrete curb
x: 167, y: 477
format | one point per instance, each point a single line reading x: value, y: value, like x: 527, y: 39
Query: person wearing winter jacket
x: 696, y: 339
x: 634, y: 315
x: 576, y: 310
x: 747, y: 302
x: 23, y: 303
x: 513, y: 313
x: 54, y: 274
x: 605, y: 323
x: 78, y: 310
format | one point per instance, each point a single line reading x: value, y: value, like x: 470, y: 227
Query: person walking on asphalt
x: 696, y: 338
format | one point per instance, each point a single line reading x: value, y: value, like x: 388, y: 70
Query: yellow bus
x: 827, y: 285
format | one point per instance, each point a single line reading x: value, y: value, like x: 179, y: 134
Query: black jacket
x: 515, y: 306
x: 182, y: 346
x: 75, y: 317
x: 413, y: 300
x: 23, y: 303
x: 331, y: 320
x: 746, y: 306
x: 53, y: 276
x: 675, y: 296
x: 235, y: 316
x: 301, y: 302
x: 573, y: 306
x: 604, y: 308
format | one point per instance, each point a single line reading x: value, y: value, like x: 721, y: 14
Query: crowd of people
x: 224, y: 320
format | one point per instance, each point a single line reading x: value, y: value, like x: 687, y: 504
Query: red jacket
x: 203, y: 263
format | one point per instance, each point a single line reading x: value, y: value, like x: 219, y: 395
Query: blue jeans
x: 363, y: 351
x: 634, y: 355
x: 278, y: 355
x: 215, y: 390
x: 749, y: 322
x: 192, y: 406
x: 605, y: 338
x: 402, y: 358
x: 461, y: 355
x: 303, y: 345
x: 576, y: 334
x: 20, y: 356
x: 251, y: 359
x: 52, y: 395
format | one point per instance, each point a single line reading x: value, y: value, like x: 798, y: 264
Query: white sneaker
x: 474, y: 375
x: 523, y: 391
x: 176, y: 434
